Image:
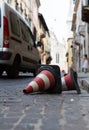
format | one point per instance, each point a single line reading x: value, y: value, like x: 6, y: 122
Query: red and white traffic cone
x: 47, y: 80
x: 69, y: 82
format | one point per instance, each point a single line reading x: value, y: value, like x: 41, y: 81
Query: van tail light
x: 6, y: 32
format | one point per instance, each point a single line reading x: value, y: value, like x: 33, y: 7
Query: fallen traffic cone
x: 69, y: 82
x: 48, y: 79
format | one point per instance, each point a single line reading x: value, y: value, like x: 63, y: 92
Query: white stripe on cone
x: 64, y: 86
x: 36, y: 87
x: 45, y: 79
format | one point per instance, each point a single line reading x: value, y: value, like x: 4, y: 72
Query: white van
x: 18, y: 50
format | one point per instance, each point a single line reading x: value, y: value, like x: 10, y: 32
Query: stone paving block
x: 85, y: 84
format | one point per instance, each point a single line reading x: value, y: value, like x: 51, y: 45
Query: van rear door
x: 1, y: 26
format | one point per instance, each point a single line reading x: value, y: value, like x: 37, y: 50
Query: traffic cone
x: 48, y: 79
x: 69, y: 82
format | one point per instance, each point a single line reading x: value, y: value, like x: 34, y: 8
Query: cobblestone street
x: 40, y: 111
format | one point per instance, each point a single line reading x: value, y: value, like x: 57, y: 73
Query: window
x: 15, y: 27
x: 16, y: 5
x: 84, y: 43
x: 31, y: 40
x: 25, y: 33
x: 74, y: 1
x: 88, y: 2
x: 9, y: 1
x: 21, y: 9
x: 57, y: 58
x: 29, y: 21
x: 35, y: 33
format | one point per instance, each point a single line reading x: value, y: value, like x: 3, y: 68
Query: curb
x: 85, y: 84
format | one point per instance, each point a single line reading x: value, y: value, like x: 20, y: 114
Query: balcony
x: 78, y: 40
x: 85, y: 13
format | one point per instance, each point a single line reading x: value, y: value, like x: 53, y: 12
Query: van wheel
x: 34, y: 72
x: 1, y: 71
x: 13, y: 71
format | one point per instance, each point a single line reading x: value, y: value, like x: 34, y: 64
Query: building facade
x: 80, y: 28
x: 69, y: 53
x: 58, y: 52
x: 43, y: 40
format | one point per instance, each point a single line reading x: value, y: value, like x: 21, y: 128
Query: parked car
x: 18, y: 51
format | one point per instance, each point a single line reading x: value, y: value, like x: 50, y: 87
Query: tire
x: 34, y: 73
x: 1, y: 72
x: 13, y: 71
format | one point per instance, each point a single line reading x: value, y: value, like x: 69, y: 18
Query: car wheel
x: 13, y: 71
x: 1, y: 71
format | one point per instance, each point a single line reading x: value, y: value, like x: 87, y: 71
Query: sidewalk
x: 84, y: 80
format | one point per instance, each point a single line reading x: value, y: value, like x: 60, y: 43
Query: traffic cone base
x: 75, y: 82
x: 55, y: 70
x: 47, y: 80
